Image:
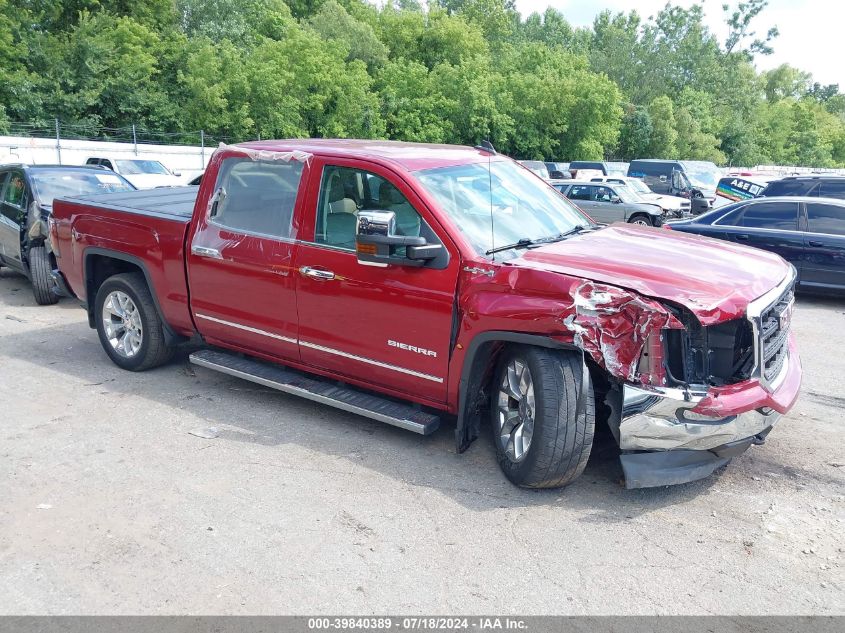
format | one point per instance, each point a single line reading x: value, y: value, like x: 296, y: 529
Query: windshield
x: 627, y: 194
x: 617, y: 168
x: 57, y: 184
x: 703, y: 175
x: 638, y: 185
x: 523, y: 208
x: 134, y: 167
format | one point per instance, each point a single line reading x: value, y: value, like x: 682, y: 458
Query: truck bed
x: 172, y: 203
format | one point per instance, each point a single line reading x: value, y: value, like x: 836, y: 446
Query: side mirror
x: 177, y: 174
x: 616, y: 200
x: 376, y: 242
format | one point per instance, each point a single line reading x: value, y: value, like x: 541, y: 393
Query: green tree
x: 635, y: 135
x: 241, y: 21
x: 360, y: 40
x: 739, y: 20
x: 412, y: 107
x: 663, y: 142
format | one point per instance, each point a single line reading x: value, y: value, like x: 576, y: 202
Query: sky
x: 810, y: 30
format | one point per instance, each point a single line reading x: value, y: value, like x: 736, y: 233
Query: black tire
x: 41, y: 273
x: 641, y: 219
x: 562, y: 435
x: 153, y: 351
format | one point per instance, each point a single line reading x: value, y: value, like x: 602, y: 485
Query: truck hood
x: 668, y: 202
x: 713, y: 279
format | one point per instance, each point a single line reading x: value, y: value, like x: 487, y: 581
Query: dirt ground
x: 109, y: 505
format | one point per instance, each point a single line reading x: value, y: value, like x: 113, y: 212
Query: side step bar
x: 347, y: 398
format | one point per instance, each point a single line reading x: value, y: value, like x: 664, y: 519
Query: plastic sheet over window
x: 265, y: 154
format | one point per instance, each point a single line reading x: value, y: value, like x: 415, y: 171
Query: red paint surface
x: 749, y: 395
x: 714, y: 279
x: 607, y: 283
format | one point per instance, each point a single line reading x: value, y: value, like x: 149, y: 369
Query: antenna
x: 487, y: 146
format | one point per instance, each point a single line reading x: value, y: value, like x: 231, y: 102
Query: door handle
x: 816, y: 243
x: 742, y: 237
x: 205, y: 251
x: 316, y: 273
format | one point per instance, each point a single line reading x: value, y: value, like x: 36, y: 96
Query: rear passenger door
x: 584, y: 198
x: 824, y: 241
x: 240, y: 263
x: 771, y: 226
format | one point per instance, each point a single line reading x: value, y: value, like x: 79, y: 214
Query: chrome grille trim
x: 770, y: 340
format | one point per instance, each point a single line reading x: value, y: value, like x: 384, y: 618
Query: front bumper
x: 671, y: 436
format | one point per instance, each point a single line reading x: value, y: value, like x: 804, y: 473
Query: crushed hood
x: 714, y: 279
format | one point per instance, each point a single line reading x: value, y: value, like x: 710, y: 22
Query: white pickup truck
x: 144, y: 173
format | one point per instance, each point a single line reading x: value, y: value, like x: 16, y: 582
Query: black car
x: 807, y: 232
x: 26, y: 201
x: 811, y: 186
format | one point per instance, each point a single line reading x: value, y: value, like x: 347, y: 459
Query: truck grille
x: 773, y: 327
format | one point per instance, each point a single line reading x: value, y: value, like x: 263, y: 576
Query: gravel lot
x: 108, y: 505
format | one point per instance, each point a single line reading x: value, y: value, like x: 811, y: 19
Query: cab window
x: 257, y: 196
x: 344, y: 191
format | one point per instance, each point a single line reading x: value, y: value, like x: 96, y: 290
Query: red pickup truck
x: 407, y: 282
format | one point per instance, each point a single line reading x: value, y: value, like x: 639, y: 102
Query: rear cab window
x: 257, y: 197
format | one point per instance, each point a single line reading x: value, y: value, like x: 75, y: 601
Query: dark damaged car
x: 408, y: 283
x: 26, y: 200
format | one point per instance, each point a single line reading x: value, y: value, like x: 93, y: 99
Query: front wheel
x: 543, y: 417
x: 128, y: 323
x: 641, y: 220
x: 41, y: 273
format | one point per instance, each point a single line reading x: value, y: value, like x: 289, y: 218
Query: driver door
x: 388, y: 325
x: 13, y: 190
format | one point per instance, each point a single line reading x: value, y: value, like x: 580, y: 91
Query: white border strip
x: 246, y: 328
x: 370, y: 361
x: 320, y: 348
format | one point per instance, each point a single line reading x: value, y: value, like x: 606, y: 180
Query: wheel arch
x: 99, y: 264
x: 475, y: 373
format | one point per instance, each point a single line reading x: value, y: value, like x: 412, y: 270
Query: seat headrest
x: 388, y: 195
x: 336, y: 191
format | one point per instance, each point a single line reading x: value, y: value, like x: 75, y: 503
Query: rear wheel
x: 641, y: 219
x: 543, y: 417
x: 128, y: 323
x: 41, y: 272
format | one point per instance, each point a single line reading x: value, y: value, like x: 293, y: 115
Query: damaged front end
x: 688, y: 397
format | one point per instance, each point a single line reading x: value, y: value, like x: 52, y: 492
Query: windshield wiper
x: 528, y: 243
x: 523, y: 243
x: 560, y: 236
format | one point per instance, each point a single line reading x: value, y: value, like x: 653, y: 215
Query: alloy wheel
x: 122, y: 324
x: 517, y: 409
